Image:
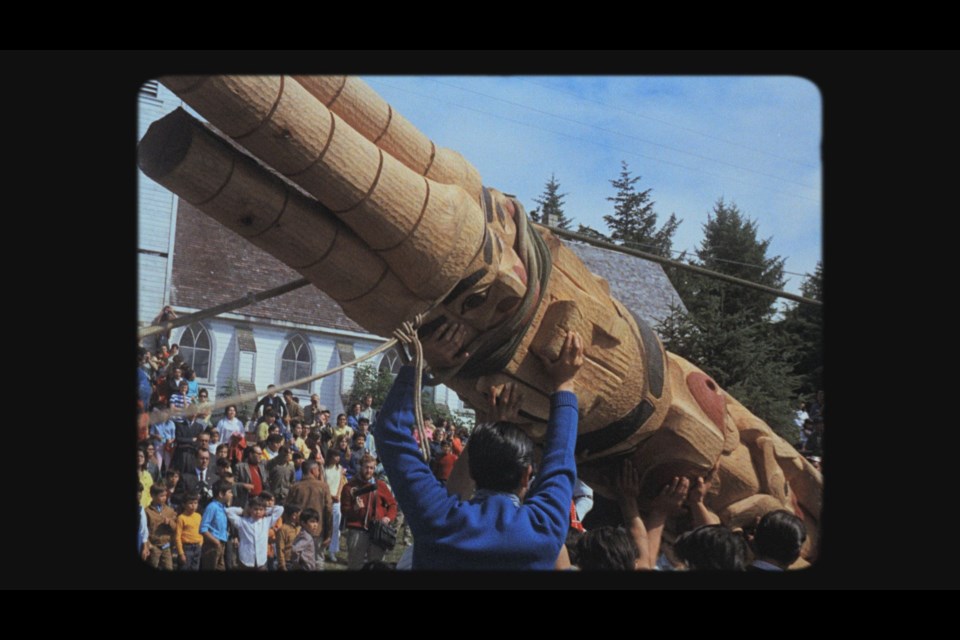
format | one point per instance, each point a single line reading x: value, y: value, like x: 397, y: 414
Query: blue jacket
x: 489, y: 532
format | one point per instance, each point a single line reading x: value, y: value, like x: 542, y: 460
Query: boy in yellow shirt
x: 188, y: 536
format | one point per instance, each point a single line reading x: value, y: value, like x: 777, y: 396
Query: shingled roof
x: 212, y: 265
x: 641, y: 285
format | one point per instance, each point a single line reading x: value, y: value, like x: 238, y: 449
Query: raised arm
x: 628, y: 489
x: 549, y: 499
x: 668, y: 503
x: 698, y: 510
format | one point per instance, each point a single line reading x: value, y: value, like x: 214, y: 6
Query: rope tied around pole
x: 406, y: 334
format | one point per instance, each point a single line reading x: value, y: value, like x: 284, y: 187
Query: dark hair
x: 220, y: 487
x: 295, y: 422
x: 250, y: 450
x: 308, y: 466
x: 308, y: 515
x: 273, y: 438
x: 157, y: 489
x: 607, y: 549
x: 290, y: 510
x: 573, y: 537
x: 712, y: 546
x: 224, y: 446
x: 363, y: 420
x: 191, y: 497
x: 171, y: 472
x: 268, y: 413
x: 287, y: 392
x: 297, y: 455
x: 779, y: 536
x: 266, y: 495
x: 223, y: 462
x: 499, y: 454
x: 256, y: 502
x: 229, y: 406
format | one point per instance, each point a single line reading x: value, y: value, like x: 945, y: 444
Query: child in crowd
x: 285, y: 537
x: 253, y: 526
x: 161, y: 524
x: 307, y: 554
x: 188, y: 536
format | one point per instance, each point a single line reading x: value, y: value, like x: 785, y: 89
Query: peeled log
x: 391, y: 208
x: 187, y: 158
x: 363, y: 109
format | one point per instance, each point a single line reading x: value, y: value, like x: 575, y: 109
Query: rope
x: 194, y: 409
x: 407, y: 334
x: 244, y: 301
x: 682, y: 265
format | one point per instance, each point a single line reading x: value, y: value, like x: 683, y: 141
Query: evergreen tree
x: 551, y: 204
x: 727, y: 330
x: 634, y: 222
x: 730, y: 245
x: 803, y: 325
x: 534, y: 214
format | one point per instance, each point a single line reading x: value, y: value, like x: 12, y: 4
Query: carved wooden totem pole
x: 350, y: 194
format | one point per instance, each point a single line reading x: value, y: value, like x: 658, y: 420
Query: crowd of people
x: 291, y: 489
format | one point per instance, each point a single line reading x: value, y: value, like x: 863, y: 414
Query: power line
x: 626, y: 135
x: 744, y: 264
x: 594, y: 142
x: 678, y: 126
x: 682, y: 265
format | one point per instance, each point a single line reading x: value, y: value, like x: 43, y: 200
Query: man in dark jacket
x: 251, y: 478
x: 312, y: 492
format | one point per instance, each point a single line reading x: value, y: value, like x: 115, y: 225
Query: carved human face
x: 488, y: 296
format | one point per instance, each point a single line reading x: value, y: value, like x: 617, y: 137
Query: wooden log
x: 427, y: 232
x: 186, y: 157
x: 364, y: 110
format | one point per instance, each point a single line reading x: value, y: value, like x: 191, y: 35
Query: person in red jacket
x: 442, y: 465
x: 364, y: 501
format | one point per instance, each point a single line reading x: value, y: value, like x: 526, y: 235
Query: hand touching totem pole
x: 323, y: 174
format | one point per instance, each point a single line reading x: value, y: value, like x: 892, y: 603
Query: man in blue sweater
x: 508, y: 524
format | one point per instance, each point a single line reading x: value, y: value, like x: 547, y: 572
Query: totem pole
x: 323, y: 174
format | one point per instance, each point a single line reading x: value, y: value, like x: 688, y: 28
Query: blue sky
x: 753, y: 140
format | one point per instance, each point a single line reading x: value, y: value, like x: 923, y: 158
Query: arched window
x: 195, y: 349
x: 295, y: 362
x: 391, y: 362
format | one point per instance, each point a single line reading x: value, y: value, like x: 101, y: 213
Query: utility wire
x: 678, y: 126
x: 620, y: 133
x: 594, y: 142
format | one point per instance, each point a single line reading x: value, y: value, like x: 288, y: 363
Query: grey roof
x: 641, y: 285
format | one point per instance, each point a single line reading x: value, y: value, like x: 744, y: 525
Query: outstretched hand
x: 505, y: 403
x: 564, y: 369
x: 442, y: 348
x: 672, y: 496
